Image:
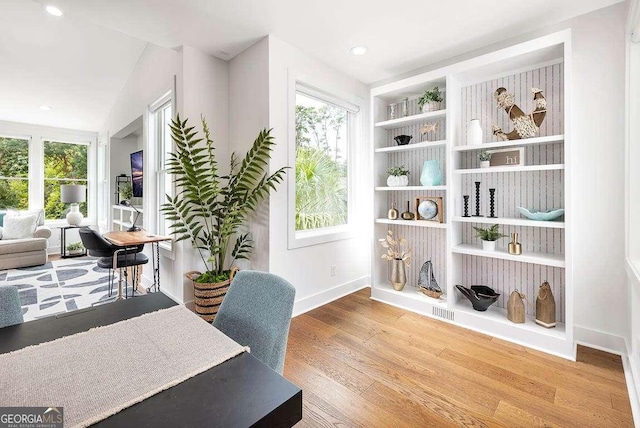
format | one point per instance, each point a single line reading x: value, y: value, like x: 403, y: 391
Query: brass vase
x: 398, y: 275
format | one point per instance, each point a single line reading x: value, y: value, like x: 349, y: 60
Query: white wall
x: 598, y: 164
x: 248, y: 115
x: 309, y: 268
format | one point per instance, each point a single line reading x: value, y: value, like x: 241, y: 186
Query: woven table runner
x: 97, y: 373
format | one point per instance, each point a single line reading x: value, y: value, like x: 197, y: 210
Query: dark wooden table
x: 241, y: 392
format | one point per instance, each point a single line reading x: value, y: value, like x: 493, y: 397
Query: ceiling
x: 77, y: 64
x: 75, y: 67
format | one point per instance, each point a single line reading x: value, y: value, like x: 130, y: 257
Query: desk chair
x: 10, y: 307
x: 257, y: 312
x: 97, y: 246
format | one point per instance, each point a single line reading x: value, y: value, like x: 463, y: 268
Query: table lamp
x: 133, y: 227
x: 73, y: 194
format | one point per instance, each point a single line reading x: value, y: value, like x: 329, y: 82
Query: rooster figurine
x: 524, y: 125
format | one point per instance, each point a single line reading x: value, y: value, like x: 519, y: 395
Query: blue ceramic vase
x: 431, y: 175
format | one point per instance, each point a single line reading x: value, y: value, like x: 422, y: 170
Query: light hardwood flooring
x: 362, y: 363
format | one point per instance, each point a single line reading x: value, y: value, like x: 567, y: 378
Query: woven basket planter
x: 209, y: 296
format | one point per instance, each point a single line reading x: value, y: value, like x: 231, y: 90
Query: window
x: 161, y: 115
x: 14, y: 173
x: 324, y: 136
x: 64, y: 163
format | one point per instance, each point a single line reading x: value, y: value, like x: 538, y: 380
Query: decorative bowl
x: 480, y: 296
x: 403, y: 140
x: 534, y: 214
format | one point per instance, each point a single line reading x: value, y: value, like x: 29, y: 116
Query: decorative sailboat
x: 427, y: 281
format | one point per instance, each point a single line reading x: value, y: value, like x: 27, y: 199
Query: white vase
x: 488, y: 245
x: 474, y: 132
x: 485, y: 164
x: 397, y: 180
x: 74, y: 217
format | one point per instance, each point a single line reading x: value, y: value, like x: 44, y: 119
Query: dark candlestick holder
x: 466, y: 206
x: 477, y: 214
x: 492, y: 203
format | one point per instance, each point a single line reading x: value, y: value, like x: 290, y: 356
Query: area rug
x: 78, y: 373
x: 60, y: 286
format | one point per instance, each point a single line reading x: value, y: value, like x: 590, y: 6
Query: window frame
x: 29, y: 140
x: 305, y: 238
x: 159, y: 171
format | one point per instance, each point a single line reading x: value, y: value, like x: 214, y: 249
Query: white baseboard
x: 600, y: 340
x: 308, y: 303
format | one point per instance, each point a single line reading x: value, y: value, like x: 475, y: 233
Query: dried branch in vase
x: 397, y: 249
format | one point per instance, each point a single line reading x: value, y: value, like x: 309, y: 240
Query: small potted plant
x: 485, y: 159
x: 75, y: 248
x: 398, y: 176
x: 399, y: 254
x: 126, y: 191
x: 489, y: 236
x: 430, y: 100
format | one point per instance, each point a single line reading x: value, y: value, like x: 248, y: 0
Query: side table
x: 63, y: 243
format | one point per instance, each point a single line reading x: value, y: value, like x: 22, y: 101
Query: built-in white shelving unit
x: 540, y: 182
x: 122, y: 217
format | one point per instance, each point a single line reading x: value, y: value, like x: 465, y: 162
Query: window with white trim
x: 323, y: 139
x: 64, y: 163
x: 161, y: 115
x: 14, y: 172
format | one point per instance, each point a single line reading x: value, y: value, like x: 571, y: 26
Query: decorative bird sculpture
x: 524, y: 125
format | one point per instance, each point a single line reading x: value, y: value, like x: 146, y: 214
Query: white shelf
x: 387, y: 188
x: 512, y: 143
x: 412, y: 293
x: 511, y: 221
x: 527, y: 168
x: 414, y: 223
x: 499, y: 315
x: 411, y: 120
x: 416, y: 146
x: 555, y: 260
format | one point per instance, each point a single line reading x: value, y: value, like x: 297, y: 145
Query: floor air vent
x: 443, y: 313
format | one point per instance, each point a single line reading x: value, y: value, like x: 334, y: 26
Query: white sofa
x: 32, y: 251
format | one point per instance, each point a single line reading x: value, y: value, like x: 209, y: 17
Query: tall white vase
x: 474, y: 132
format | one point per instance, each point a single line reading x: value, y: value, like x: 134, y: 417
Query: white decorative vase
x: 485, y: 164
x: 430, y: 106
x: 474, y: 132
x: 397, y: 180
x: 74, y: 217
x: 488, y: 245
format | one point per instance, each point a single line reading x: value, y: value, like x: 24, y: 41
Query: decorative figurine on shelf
x: 524, y: 125
x: 405, y: 107
x: 480, y: 296
x: 545, y: 307
x: 392, y: 111
x: 515, y: 307
x: 429, y: 127
x: 392, y: 214
x: 408, y: 215
x: 492, y: 203
x: 399, y: 254
x: 466, y: 205
x: 514, y: 246
x: 477, y: 214
x: 427, y: 281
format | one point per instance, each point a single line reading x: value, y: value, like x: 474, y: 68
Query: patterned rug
x: 60, y: 286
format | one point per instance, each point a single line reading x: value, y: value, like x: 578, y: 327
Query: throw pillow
x: 19, y: 226
x: 39, y: 213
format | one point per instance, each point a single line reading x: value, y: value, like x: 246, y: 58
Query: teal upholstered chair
x: 257, y: 312
x: 10, y: 308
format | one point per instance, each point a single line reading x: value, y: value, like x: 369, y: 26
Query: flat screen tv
x: 136, y: 173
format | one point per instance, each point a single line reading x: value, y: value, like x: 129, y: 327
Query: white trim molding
x: 320, y: 299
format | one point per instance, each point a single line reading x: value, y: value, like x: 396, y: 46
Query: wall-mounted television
x: 136, y: 173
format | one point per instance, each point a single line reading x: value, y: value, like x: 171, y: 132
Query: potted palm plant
x: 489, y: 236
x: 209, y: 209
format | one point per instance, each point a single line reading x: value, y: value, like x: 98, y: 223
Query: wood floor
x: 362, y: 363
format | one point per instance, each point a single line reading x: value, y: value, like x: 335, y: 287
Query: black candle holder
x: 466, y: 206
x: 477, y: 214
x: 492, y: 203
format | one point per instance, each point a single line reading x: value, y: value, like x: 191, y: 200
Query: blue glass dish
x: 533, y: 214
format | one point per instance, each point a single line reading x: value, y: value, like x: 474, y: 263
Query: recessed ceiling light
x: 359, y: 50
x: 44, y: 108
x: 52, y: 10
